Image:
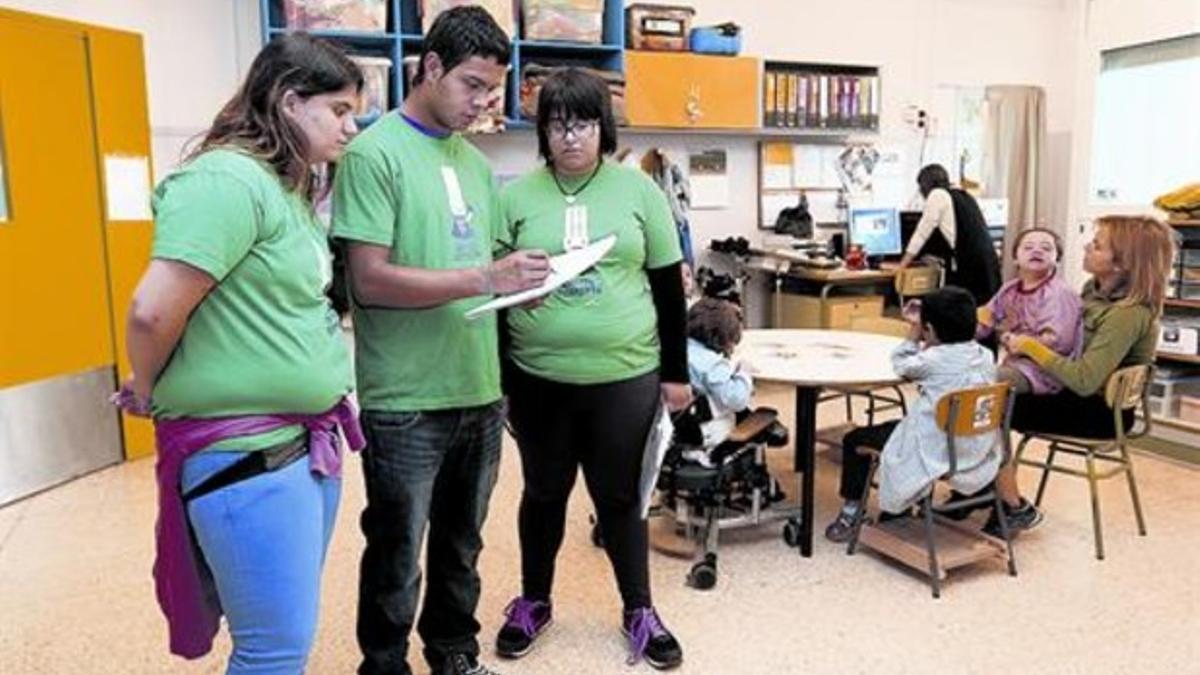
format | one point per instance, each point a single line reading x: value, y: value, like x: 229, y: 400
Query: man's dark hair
x: 932, y: 176
x: 951, y: 313
x: 572, y: 94
x: 460, y: 33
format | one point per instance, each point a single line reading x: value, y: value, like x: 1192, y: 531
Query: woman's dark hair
x: 1058, y: 245
x: 716, y: 324
x: 573, y: 94
x: 951, y: 313
x: 459, y: 33
x: 253, y: 120
x: 932, y: 176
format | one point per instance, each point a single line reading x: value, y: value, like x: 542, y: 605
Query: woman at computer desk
x: 952, y: 228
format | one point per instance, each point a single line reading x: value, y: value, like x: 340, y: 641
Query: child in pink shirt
x: 1038, y: 303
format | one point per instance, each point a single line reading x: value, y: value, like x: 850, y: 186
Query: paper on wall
x: 127, y: 188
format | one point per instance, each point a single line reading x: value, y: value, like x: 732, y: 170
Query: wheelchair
x: 726, y: 487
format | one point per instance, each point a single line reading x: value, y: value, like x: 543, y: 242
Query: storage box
x: 1168, y: 387
x: 1189, y: 409
x: 715, y: 40
x: 376, y: 72
x: 501, y: 10
x: 1189, y: 291
x: 1179, y: 338
x: 658, y: 27
x: 533, y: 75
x: 1190, y: 256
x: 363, y: 15
x: 569, y: 20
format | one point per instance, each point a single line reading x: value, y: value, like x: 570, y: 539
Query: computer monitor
x: 908, y: 226
x: 876, y: 230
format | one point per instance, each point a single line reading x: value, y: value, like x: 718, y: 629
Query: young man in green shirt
x: 417, y: 206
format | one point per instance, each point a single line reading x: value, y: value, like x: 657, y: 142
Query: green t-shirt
x: 265, y: 339
x: 601, y: 326
x: 395, y: 187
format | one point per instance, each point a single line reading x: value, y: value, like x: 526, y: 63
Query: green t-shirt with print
x: 265, y: 339
x: 601, y: 326
x: 433, y: 201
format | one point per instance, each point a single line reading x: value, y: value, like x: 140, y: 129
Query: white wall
x: 1101, y: 25
x: 196, y: 51
x: 919, y: 45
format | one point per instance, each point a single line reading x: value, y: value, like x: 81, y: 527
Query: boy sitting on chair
x: 940, y: 355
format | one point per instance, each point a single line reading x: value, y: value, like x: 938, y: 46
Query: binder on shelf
x: 769, y: 85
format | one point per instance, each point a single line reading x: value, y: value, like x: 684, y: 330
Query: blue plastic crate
x: 711, y: 40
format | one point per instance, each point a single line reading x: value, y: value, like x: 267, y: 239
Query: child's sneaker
x: 1023, y: 517
x: 842, y: 527
x: 650, y: 639
x: 525, y: 621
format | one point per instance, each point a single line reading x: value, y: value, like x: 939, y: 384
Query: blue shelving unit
x: 403, y: 36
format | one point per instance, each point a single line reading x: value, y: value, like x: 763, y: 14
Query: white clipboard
x: 563, y: 268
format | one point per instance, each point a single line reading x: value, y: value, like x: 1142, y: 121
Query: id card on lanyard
x: 575, y: 227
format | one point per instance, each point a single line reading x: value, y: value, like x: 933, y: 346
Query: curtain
x: 1012, y: 157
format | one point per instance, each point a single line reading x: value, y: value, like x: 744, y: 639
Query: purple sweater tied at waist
x: 182, y: 580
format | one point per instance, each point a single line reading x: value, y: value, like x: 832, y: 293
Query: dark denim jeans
x: 436, y: 467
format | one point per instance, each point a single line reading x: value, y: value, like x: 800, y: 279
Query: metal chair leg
x: 1092, y: 487
x: 852, y: 545
x: 934, y: 581
x: 903, y: 403
x: 1004, y: 532
x: 1133, y: 491
x: 849, y: 409
x: 870, y: 409
x: 1037, y: 500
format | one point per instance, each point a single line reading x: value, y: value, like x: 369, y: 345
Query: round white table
x: 811, y: 360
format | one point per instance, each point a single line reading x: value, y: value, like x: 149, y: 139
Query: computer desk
x: 784, y: 264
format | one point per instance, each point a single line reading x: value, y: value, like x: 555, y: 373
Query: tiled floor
x: 76, y: 595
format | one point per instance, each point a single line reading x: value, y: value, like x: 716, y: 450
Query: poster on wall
x: 127, y: 188
x: 709, y: 178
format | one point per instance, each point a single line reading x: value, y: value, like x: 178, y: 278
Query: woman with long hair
x: 1129, y: 258
x: 239, y: 358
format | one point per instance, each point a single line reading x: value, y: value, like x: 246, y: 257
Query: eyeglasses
x: 578, y: 129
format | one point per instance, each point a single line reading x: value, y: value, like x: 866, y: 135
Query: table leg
x: 805, y: 450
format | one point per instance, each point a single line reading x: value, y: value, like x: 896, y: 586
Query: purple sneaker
x: 525, y: 620
x: 650, y: 639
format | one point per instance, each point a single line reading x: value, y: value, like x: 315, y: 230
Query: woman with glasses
x: 586, y: 371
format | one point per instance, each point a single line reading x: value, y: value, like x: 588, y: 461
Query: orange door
x: 54, y: 309
x: 683, y: 90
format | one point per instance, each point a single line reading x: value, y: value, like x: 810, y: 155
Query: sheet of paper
x: 563, y: 268
x: 709, y: 178
x: 127, y: 188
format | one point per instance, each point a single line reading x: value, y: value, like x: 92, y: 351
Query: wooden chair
x: 1126, y: 390
x: 963, y: 413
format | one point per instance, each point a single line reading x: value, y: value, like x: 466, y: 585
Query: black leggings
x: 1066, y: 413
x: 855, y: 467
x: 603, y: 427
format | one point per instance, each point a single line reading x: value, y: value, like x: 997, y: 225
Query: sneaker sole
x: 512, y: 655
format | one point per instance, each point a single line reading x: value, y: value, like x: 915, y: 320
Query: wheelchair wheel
x: 703, y: 575
x: 791, y: 533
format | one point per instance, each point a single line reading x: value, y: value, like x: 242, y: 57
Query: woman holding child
x: 1129, y: 259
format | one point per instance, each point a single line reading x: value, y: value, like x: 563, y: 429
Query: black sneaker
x: 464, y: 664
x: 650, y: 639
x: 1024, y: 517
x: 525, y: 620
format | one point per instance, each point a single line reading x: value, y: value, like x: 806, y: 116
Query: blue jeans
x: 428, y: 467
x: 264, y: 539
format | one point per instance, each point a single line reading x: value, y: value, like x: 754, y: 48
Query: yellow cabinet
x: 684, y: 90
